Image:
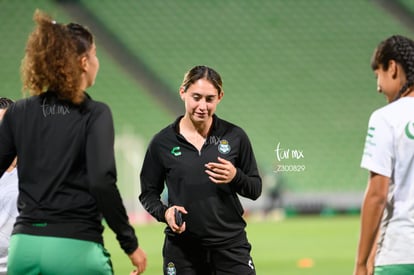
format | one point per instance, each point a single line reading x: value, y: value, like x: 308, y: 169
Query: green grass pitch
x: 297, y: 245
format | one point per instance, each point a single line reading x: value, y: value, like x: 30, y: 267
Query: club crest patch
x: 224, y: 147
x: 171, y: 269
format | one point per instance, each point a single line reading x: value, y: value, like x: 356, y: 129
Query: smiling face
x: 201, y: 99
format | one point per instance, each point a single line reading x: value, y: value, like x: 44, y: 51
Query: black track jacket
x: 66, y: 168
x: 214, y: 211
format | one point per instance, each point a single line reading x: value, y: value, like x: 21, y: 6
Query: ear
x: 393, y: 69
x: 84, y: 63
x: 220, y: 96
x: 182, y: 93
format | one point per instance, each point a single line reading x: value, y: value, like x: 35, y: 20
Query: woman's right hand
x: 170, y: 218
x: 139, y: 260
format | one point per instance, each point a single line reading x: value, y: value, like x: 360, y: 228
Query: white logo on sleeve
x: 250, y: 264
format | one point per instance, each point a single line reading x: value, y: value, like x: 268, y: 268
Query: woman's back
x: 51, y: 138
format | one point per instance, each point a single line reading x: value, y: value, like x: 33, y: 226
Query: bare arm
x: 371, y: 258
x: 371, y: 213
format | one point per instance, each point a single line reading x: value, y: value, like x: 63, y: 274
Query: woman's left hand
x: 221, y: 172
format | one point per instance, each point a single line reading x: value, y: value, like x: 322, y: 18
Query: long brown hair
x: 52, y: 58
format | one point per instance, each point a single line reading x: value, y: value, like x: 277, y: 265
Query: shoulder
x: 24, y: 103
x: 95, y: 105
x: 95, y: 113
x: 394, y: 111
x: 95, y: 109
x: 165, y: 133
x: 225, y: 126
x: 20, y: 107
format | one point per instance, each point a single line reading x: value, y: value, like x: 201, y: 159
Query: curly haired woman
x: 63, y: 140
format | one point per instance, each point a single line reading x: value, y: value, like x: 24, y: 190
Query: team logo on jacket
x: 176, y: 151
x: 224, y: 147
x: 171, y: 269
x: 409, y: 130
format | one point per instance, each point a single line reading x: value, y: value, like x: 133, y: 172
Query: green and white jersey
x: 389, y: 151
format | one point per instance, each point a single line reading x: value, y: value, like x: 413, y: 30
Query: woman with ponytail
x: 387, y: 213
x: 63, y: 141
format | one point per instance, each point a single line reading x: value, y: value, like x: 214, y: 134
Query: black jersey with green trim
x: 66, y: 168
x: 214, y: 210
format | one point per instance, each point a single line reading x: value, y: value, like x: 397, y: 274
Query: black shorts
x: 182, y: 257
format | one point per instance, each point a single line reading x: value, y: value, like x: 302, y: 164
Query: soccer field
x: 297, y: 245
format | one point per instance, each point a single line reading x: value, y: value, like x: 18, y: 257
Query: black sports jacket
x: 67, y: 175
x: 214, y: 210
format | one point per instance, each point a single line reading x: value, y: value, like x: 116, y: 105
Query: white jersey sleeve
x: 378, y: 155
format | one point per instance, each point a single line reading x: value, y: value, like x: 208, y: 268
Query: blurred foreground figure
x: 64, y: 141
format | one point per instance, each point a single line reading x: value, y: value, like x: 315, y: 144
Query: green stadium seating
x: 295, y: 73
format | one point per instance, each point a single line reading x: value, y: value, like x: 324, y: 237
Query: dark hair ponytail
x: 406, y: 48
x: 401, y: 50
